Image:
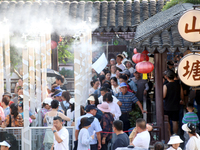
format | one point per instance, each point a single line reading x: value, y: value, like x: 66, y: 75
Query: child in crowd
x: 190, y: 116
x: 174, y: 143
x: 84, y: 138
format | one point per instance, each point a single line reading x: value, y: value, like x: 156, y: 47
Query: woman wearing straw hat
x: 194, y: 141
x: 106, y: 124
x: 174, y: 142
x: 84, y: 138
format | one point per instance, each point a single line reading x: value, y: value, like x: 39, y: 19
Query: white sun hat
x: 4, y: 143
x: 175, y: 139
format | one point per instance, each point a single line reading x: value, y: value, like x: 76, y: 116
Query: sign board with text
x: 189, y: 26
x: 189, y: 70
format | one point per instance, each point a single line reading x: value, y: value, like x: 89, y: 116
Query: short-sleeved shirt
x: 142, y: 140
x: 6, y: 111
x: 95, y: 126
x: 190, y: 117
x: 122, y: 140
x: 127, y: 100
x: 64, y: 135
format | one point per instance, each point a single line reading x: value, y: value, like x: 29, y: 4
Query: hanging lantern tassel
x: 144, y: 76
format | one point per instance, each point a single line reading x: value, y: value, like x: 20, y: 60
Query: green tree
x: 174, y: 2
x: 65, y: 51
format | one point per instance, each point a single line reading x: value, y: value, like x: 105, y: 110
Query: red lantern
x: 135, y: 51
x: 144, y: 67
x: 140, y: 57
x: 145, y: 52
x: 53, y: 44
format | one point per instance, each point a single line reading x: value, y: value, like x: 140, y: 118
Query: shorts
x: 172, y: 115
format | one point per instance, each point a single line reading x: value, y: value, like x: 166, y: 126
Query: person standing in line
x: 60, y: 81
x: 95, y: 144
x: 194, y: 141
x: 190, y: 116
x: 127, y: 99
x: 95, y: 85
x: 113, y: 70
x: 172, y: 94
x: 142, y: 85
x: 119, y: 64
x: 5, y: 145
x: 174, y: 141
x: 114, y: 107
x: 5, y: 105
x: 106, y: 124
x: 84, y: 138
x: 122, y: 139
x: 115, y: 86
x: 61, y: 135
x: 142, y: 136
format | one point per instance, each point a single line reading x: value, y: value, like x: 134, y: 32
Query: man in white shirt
x: 103, y: 91
x: 61, y: 135
x: 119, y: 64
x: 142, y: 136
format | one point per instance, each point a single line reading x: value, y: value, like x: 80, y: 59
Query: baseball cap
x: 47, y: 101
x: 123, y: 84
x: 90, y: 107
x: 5, y: 143
x: 189, y: 127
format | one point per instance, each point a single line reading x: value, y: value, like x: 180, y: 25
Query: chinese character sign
x: 189, y: 69
x: 189, y: 26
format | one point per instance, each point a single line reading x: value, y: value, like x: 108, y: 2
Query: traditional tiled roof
x: 160, y: 32
x: 168, y: 40
x: 110, y: 16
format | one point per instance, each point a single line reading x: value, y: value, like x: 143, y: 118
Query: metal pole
x: 159, y: 92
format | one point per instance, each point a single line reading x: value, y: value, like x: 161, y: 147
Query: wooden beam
x: 159, y: 92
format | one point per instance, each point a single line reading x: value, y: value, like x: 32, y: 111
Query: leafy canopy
x: 174, y: 2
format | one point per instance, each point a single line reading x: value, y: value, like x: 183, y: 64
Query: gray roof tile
x: 109, y: 16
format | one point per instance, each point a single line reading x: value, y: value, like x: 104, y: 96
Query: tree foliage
x: 174, y: 2
x: 65, y: 51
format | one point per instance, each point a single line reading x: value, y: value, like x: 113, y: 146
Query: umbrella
x: 52, y: 73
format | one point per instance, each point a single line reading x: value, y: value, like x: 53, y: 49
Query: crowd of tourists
x: 105, y: 118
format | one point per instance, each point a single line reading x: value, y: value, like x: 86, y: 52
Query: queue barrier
x: 15, y: 135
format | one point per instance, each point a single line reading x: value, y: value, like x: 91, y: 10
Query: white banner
x: 100, y: 64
